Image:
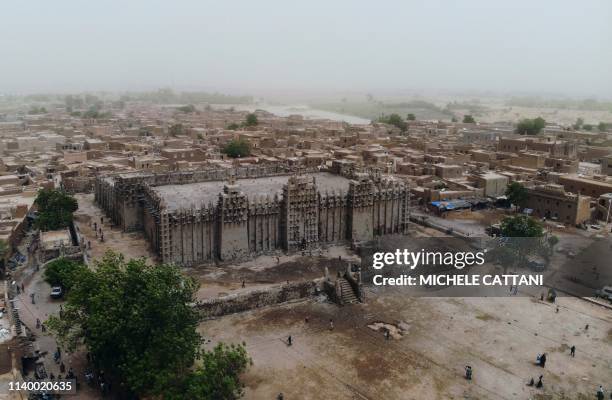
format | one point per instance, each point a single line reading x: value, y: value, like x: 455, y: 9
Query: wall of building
x: 237, y: 227
x: 256, y: 299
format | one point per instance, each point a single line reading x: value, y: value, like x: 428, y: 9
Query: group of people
x: 541, y: 362
x: 91, y: 380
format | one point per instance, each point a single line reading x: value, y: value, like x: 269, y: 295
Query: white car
x: 57, y: 292
x: 605, y: 293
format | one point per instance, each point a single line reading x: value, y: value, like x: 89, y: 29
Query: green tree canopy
x: 521, y: 226
x: 55, y: 209
x: 136, y: 321
x: 233, y: 126
x: 251, y: 120
x: 63, y: 272
x: 530, y: 126
x: 176, y: 130
x: 4, y: 250
x: 187, y: 109
x: 517, y: 194
x: 468, y: 119
x: 411, y: 117
x: 578, y: 123
x: 218, y: 376
x: 602, y: 126
x: 237, y: 148
x: 37, y: 110
x: 393, y: 119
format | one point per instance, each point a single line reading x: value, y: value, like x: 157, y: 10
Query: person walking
x: 331, y: 324
x: 600, y: 393
x: 573, y: 351
x: 289, y: 341
x: 468, y: 372
x: 539, y: 384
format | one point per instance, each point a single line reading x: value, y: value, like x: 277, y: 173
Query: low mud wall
x: 257, y: 298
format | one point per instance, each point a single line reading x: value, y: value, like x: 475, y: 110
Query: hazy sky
x: 260, y: 46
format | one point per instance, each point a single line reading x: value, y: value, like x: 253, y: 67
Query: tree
x: 237, y: 148
x: 55, y: 209
x: 521, y: 226
x: 602, y: 127
x: 395, y: 120
x: 37, y: 110
x: 136, y: 321
x: 530, y: 126
x: 517, y: 194
x: 468, y: 119
x: 411, y: 117
x: 587, y: 127
x: 251, y: 120
x: 233, y: 126
x: 187, y: 109
x: 63, y: 272
x: 217, y: 377
x: 4, y: 251
x: 176, y: 130
x: 578, y: 123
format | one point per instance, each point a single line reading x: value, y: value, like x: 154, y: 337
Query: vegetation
x: 37, y: 110
x: 190, y: 108
x: 578, y: 124
x: 524, y: 237
x: 371, y: 108
x: 517, y: 194
x: 237, y: 148
x: 521, y: 226
x: 63, y: 272
x: 561, y: 104
x: 55, y: 209
x: 468, y: 119
x: 4, y: 251
x: 603, y: 126
x: 176, y: 130
x: 587, y: 127
x: 94, y: 113
x: 217, y: 377
x: 233, y: 126
x: 473, y: 107
x: 168, y: 96
x: 395, y: 120
x: 137, y: 322
x: 251, y: 120
x: 530, y: 126
x: 411, y: 117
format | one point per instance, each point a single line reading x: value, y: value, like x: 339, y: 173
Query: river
x: 305, y: 111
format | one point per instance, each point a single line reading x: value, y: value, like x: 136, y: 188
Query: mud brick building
x: 214, y: 215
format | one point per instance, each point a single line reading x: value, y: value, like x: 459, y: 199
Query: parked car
x: 604, y: 293
x: 536, y: 265
x: 57, y: 292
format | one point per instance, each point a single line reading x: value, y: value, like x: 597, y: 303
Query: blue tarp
x: 451, y: 205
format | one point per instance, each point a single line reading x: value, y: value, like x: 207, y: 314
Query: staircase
x: 347, y: 294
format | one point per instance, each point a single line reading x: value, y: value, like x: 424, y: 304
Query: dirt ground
x: 131, y: 245
x: 431, y: 340
x: 434, y: 339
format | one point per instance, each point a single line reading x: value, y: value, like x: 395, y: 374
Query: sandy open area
x: 434, y: 339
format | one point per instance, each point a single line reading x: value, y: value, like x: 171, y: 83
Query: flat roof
x: 197, y: 194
